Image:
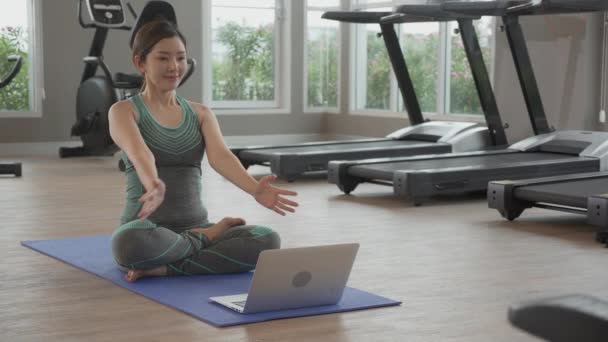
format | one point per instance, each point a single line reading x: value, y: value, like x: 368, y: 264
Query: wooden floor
x: 455, y: 264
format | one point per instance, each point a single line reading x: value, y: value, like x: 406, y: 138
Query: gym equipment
x: 97, y: 93
x: 585, y: 193
x: 290, y: 161
x: 18, y: 62
x: 13, y: 168
x: 577, y: 317
x: 581, y: 193
x: 189, y: 294
x: 546, y: 154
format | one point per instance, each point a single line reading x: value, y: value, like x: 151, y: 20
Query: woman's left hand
x: 273, y: 198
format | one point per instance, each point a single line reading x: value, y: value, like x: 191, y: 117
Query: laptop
x: 295, y: 278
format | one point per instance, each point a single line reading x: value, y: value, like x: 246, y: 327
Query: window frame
x: 306, y: 107
x: 35, y: 67
x: 357, y: 90
x: 443, y: 82
x: 282, y: 75
x: 446, y: 111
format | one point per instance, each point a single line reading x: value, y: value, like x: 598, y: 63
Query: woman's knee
x: 129, y: 240
x: 124, y: 247
x: 270, y: 237
x: 145, y: 245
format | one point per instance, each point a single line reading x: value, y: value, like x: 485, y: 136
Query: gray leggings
x: 144, y: 245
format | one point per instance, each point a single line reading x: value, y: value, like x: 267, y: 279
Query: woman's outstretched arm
x: 126, y: 134
x: 224, y: 162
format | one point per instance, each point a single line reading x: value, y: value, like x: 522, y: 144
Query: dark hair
x: 150, y: 34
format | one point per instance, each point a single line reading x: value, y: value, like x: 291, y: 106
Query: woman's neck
x: 159, y: 98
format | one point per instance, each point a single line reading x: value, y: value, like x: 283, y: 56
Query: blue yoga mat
x: 189, y: 294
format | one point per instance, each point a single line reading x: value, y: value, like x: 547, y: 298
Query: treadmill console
x: 432, y: 9
x: 523, y: 7
x: 483, y: 7
x: 106, y: 13
x: 588, y: 5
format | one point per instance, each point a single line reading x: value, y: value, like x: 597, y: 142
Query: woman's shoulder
x: 123, y: 107
x: 199, y: 109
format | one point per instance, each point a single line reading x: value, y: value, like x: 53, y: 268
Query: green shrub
x: 15, y: 96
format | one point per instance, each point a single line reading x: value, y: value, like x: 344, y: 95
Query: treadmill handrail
x: 474, y: 56
x: 541, y: 7
x: 434, y: 12
x: 524, y: 7
x: 358, y: 17
x: 581, y: 5
x: 398, y: 63
x: 519, y: 51
x: 18, y: 60
x: 483, y: 86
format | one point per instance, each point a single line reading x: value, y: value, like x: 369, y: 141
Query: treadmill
x: 289, y: 162
x: 548, y: 153
x: 11, y: 168
x: 583, y: 193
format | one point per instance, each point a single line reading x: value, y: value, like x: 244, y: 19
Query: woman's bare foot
x: 219, y: 228
x: 133, y: 275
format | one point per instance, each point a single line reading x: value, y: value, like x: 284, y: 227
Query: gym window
x: 246, y: 46
x: 435, y: 58
x: 20, y: 35
x: 460, y: 94
x: 374, y: 86
x: 322, y: 57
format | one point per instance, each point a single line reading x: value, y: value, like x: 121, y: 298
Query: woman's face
x: 166, y: 64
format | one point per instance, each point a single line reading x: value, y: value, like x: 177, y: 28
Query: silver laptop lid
x: 300, y: 277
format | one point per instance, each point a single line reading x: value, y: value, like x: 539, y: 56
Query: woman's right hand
x: 152, y: 199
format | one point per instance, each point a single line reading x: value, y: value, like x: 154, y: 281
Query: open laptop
x: 294, y: 278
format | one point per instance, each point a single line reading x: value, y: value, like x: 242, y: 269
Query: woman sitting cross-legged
x: 164, y: 227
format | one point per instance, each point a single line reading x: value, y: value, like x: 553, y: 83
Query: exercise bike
x: 15, y: 167
x: 97, y: 93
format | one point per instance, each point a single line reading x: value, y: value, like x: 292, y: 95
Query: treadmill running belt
x: 385, y: 171
x: 342, y: 148
x: 571, y: 193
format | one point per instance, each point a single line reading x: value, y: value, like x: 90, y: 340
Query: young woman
x: 164, y: 228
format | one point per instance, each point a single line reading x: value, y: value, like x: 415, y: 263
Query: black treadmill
x: 547, y: 153
x: 13, y: 168
x: 289, y: 162
x: 581, y: 193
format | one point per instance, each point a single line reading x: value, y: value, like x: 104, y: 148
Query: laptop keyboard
x: 241, y: 304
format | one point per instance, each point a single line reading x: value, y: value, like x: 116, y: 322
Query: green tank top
x: 178, y: 152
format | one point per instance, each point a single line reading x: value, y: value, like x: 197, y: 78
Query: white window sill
x: 377, y: 113
x: 20, y: 115
x: 431, y: 116
x: 310, y: 110
x: 250, y: 111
